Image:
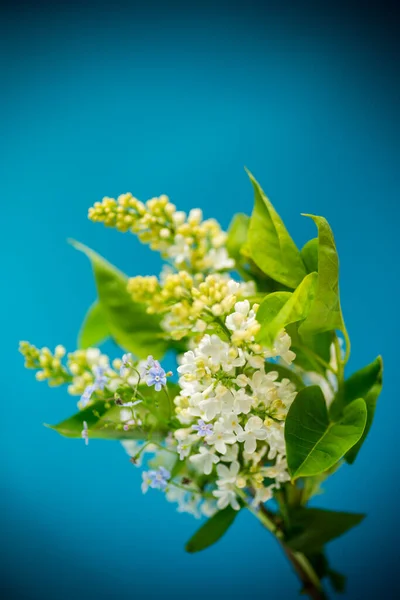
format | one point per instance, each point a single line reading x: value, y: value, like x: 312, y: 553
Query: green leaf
x: 313, y: 442
x: 94, y: 329
x: 337, y: 580
x: 271, y: 246
x: 212, y: 530
x: 296, y: 308
x: 102, y: 419
x: 237, y: 236
x: 284, y: 372
x: 129, y: 324
x: 366, y: 383
x: 325, y: 313
x: 309, y: 254
x: 312, y: 528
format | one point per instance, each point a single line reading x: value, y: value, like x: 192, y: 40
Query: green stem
x: 340, y: 364
x: 301, y: 565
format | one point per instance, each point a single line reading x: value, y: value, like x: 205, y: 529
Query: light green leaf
x: 313, y: 442
x: 314, y: 527
x: 271, y: 246
x: 366, y: 383
x: 296, y: 308
x: 271, y: 305
x: 309, y: 254
x: 94, y: 329
x: 129, y: 324
x: 212, y: 530
x: 325, y: 313
x: 237, y: 236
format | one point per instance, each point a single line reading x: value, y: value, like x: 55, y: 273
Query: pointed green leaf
x: 296, y: 308
x: 212, y: 530
x: 237, y: 236
x: 325, y: 313
x: 312, y: 528
x: 366, y: 383
x: 309, y: 254
x: 130, y: 325
x: 94, y: 329
x: 270, y: 244
x: 313, y: 442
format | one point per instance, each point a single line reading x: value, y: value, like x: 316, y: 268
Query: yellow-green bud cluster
x: 186, y: 240
x: 48, y: 364
x: 190, y: 302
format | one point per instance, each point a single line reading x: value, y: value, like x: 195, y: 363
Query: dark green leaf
x: 212, y: 530
x: 271, y: 246
x: 129, y: 323
x: 313, y: 442
x: 296, y: 308
x: 313, y: 527
x: 338, y: 581
x: 325, y: 313
x: 94, y: 329
x: 309, y: 254
x: 366, y: 383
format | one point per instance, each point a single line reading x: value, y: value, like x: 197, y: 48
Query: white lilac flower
x: 263, y: 494
x: 205, y: 460
x: 220, y: 438
x: 208, y: 508
x: 231, y: 453
x: 85, y: 433
x: 254, y: 430
x: 242, y: 402
x: 281, y: 348
x: 242, y: 322
x: 278, y: 471
x: 231, y: 423
x: 218, y: 260
x: 227, y: 476
x: 275, y: 439
x: 226, y: 497
x: 203, y: 429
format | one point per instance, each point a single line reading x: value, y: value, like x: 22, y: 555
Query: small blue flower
x: 146, y: 365
x: 203, y: 429
x: 85, y: 398
x: 100, y: 379
x: 156, y: 376
x: 126, y: 364
x: 99, y: 383
x: 155, y: 479
x: 159, y: 478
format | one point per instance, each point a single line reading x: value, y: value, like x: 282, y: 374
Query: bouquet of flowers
x: 260, y: 413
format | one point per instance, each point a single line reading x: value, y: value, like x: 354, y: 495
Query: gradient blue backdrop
x: 177, y: 102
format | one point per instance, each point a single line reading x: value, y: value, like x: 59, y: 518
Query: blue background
x: 177, y: 101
